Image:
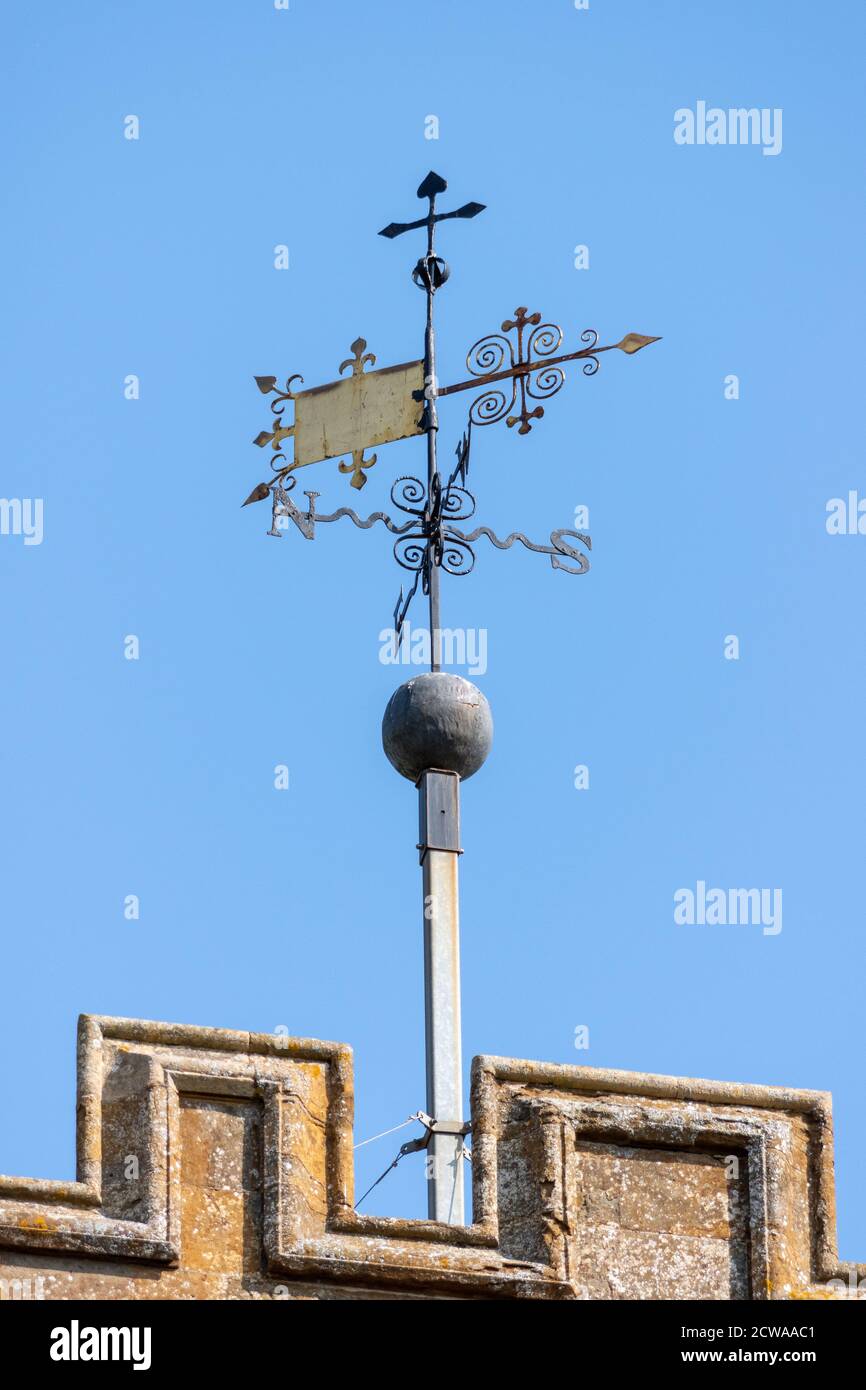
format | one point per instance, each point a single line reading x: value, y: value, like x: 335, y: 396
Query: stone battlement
x: 218, y: 1165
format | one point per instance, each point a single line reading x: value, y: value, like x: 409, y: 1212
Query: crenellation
x: 219, y: 1165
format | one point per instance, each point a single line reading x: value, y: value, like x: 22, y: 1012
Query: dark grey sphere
x: 437, y: 720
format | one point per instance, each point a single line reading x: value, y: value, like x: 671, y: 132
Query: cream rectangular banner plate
x: 366, y: 409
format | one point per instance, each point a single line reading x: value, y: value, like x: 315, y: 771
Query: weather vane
x: 511, y: 370
x: 437, y: 729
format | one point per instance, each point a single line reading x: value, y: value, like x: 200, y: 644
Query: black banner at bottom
x: 244, y: 1337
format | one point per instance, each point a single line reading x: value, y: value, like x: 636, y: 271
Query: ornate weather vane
x: 437, y: 728
x: 510, y: 370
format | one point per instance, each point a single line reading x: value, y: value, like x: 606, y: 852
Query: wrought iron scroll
x: 527, y: 367
x: 524, y: 357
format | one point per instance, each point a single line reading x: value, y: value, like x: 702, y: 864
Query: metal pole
x: 439, y: 814
x: 439, y: 847
x: 432, y: 421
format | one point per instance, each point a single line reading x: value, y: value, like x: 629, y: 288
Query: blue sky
x: 261, y: 908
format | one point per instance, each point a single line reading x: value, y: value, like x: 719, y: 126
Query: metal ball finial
x: 431, y: 272
x: 437, y: 720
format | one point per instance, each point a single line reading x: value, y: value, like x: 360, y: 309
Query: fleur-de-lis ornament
x: 357, y: 362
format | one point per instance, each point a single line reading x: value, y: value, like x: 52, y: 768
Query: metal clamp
x: 432, y: 1127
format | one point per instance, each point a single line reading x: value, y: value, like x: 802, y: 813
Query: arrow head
x: 633, y: 342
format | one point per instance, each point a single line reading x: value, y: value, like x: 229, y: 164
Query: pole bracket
x: 438, y: 812
x: 432, y: 1127
x: 452, y: 1127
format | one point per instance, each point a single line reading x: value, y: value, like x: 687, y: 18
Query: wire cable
x: 379, y: 1179
x: 385, y: 1132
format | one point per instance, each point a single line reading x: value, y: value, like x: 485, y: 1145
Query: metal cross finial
x: 433, y: 184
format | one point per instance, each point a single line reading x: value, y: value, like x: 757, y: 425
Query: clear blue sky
x: 262, y: 908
